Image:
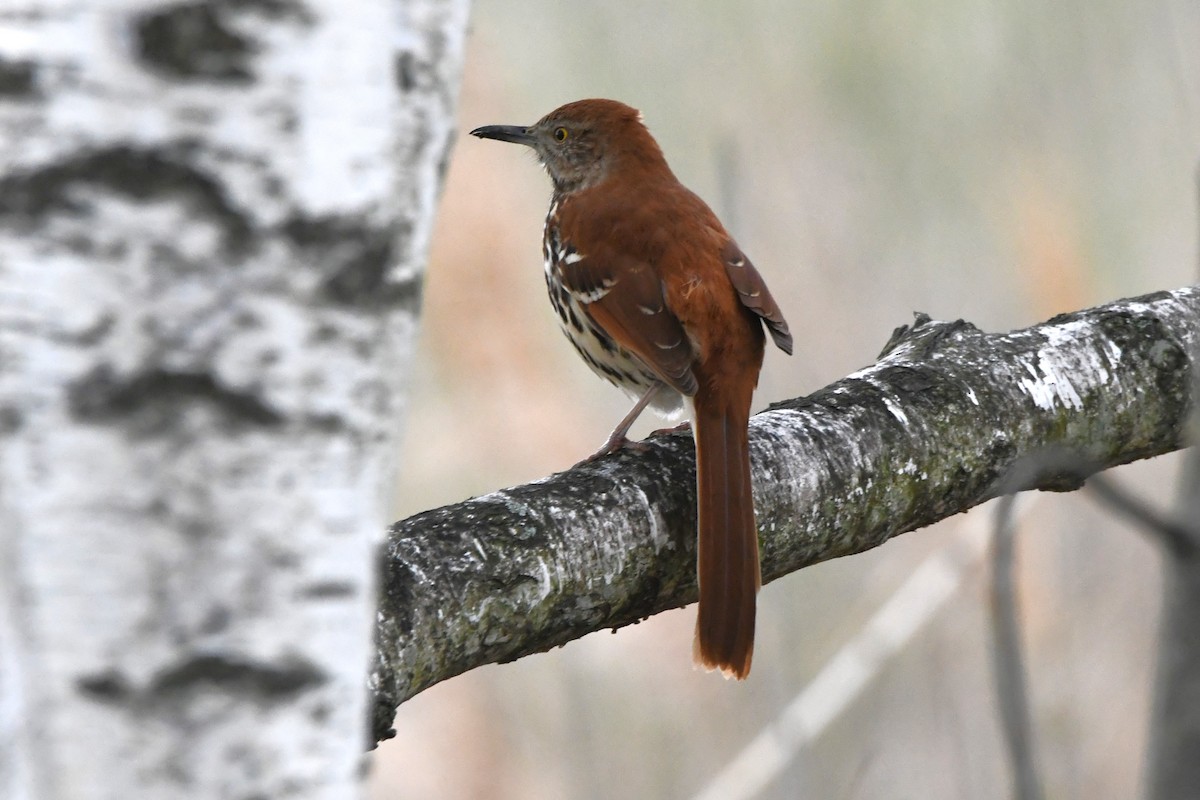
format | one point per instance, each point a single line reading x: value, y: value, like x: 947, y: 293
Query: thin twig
x: 1064, y: 470
x: 1183, y: 540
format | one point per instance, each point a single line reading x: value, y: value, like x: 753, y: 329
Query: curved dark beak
x: 518, y: 134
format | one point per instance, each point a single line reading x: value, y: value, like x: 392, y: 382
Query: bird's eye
x: 560, y: 134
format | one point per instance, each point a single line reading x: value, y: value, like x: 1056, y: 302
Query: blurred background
x: 995, y: 162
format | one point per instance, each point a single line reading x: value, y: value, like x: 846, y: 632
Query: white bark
x: 212, y: 220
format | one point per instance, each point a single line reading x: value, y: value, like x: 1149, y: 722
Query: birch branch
x: 928, y: 431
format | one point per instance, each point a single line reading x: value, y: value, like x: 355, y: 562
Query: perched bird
x: 658, y: 299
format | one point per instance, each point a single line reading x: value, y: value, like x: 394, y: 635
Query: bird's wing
x: 753, y: 292
x: 624, y: 298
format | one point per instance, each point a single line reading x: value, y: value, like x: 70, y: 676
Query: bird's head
x: 582, y: 143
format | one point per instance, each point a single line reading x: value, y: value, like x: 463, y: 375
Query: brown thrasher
x: 658, y: 299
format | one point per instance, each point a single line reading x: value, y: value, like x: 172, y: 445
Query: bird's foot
x: 683, y: 426
x: 615, y: 442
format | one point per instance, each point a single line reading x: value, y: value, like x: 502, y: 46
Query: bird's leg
x: 617, y: 439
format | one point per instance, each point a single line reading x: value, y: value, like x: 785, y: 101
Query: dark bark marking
x: 157, y: 396
x: 357, y: 261
x: 262, y: 680
x: 201, y: 40
x: 406, y: 70
x: 216, y: 620
x: 412, y: 70
x: 328, y: 590
x: 11, y: 419
x: 96, y: 333
x: 18, y: 79
x: 270, y: 681
x: 108, y: 686
x: 443, y: 165
x: 1167, y: 357
x: 909, y: 379
x: 326, y: 423
x: 193, y: 41
x: 142, y: 174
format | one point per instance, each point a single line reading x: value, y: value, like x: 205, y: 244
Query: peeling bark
x: 928, y: 431
x: 213, y: 221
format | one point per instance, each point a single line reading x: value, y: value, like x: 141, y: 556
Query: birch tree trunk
x: 212, y: 222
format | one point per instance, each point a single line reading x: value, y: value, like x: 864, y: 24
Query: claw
x: 683, y: 426
x: 617, y: 441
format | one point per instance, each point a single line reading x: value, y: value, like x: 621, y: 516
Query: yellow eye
x: 560, y: 134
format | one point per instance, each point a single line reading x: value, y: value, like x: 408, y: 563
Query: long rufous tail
x: 727, y: 561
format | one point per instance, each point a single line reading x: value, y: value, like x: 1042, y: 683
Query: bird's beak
x: 518, y: 134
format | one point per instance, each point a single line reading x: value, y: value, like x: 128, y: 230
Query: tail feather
x: 727, y: 561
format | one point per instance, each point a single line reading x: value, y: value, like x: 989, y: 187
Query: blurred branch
x: 1008, y: 661
x: 1176, y: 536
x: 1007, y: 652
x: 1173, y: 765
x: 926, y: 432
